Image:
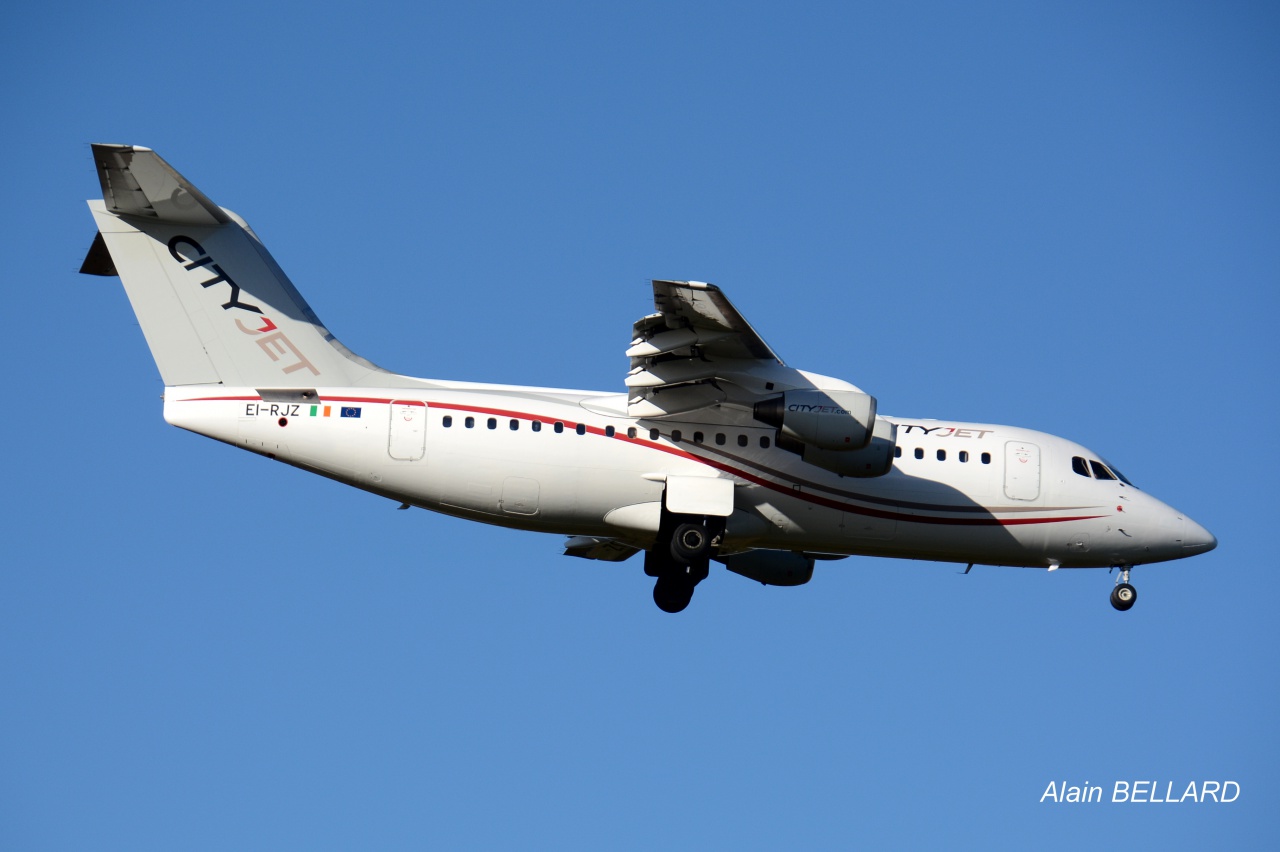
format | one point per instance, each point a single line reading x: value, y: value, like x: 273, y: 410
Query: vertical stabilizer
x: 213, y: 304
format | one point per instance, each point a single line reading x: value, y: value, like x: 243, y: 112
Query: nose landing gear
x: 1124, y: 596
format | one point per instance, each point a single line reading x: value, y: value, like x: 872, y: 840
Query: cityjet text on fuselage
x: 945, y: 431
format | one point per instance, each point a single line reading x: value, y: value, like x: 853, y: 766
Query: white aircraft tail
x: 214, y: 306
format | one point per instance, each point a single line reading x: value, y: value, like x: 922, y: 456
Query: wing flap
x: 683, y: 356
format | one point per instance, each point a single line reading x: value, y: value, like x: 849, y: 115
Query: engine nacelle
x: 839, y: 421
x: 875, y: 459
x: 771, y: 567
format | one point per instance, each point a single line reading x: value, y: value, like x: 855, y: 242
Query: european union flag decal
x: 350, y: 412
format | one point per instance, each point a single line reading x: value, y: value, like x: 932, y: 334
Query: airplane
x: 716, y: 451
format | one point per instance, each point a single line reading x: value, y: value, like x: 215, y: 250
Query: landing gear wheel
x: 672, y: 593
x: 1124, y: 596
x: 690, y: 543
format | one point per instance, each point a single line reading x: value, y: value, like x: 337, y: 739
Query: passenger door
x: 407, y: 439
x: 1021, y: 470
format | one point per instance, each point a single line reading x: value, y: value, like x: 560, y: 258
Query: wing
x: 698, y: 351
x: 706, y: 310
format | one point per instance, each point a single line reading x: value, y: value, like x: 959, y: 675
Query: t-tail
x: 213, y: 304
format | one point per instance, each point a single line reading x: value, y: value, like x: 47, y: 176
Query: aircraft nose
x: 1195, y: 538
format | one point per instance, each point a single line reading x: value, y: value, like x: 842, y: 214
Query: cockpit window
x: 1100, y: 470
x: 1079, y: 466
x: 1120, y: 476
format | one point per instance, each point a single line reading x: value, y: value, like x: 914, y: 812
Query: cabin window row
x: 558, y: 426
x: 700, y: 438
x: 514, y: 425
x: 941, y: 455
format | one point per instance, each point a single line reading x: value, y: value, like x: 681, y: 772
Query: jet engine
x: 875, y: 459
x: 829, y: 420
x: 771, y: 567
x: 834, y: 430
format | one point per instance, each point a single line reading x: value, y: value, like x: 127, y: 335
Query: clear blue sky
x: 1063, y: 216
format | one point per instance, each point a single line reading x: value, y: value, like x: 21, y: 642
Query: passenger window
x: 1100, y: 470
x: 609, y: 431
x: 897, y: 452
x: 559, y: 427
x: 719, y: 439
x: 964, y: 456
x: 581, y: 428
x: 470, y: 421
x: 653, y: 434
x: 1079, y: 466
x: 697, y: 437
x: 493, y: 423
x: 631, y: 432
x: 675, y: 435
x: 515, y: 424
x: 447, y: 421
x: 536, y: 425
x: 919, y: 452
x: 742, y: 440
x: 986, y: 458
x: 764, y: 442
x: 942, y: 455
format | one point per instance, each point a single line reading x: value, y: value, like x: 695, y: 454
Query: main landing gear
x: 1124, y: 596
x: 681, y: 558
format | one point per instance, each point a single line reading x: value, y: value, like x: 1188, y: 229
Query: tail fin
x: 212, y: 303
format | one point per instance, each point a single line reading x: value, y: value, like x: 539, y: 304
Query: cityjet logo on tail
x: 192, y: 255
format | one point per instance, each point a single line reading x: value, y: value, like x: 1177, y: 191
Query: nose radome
x: 1195, y: 538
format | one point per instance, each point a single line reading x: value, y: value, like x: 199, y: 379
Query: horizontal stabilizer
x: 98, y: 261
x: 136, y: 181
x: 604, y: 549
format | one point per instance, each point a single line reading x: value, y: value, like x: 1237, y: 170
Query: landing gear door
x: 407, y: 439
x: 700, y: 495
x: 1021, y: 470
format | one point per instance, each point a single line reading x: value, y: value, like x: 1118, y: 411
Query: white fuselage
x: 717, y: 450
x: 574, y: 462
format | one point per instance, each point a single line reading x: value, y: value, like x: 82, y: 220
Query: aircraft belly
x: 568, y: 487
